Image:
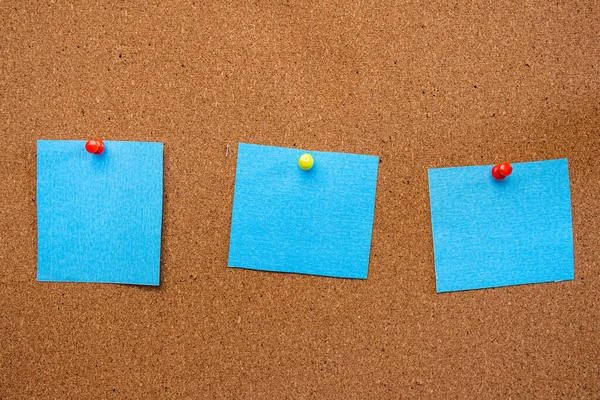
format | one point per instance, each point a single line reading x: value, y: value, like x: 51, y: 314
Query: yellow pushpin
x: 306, y: 161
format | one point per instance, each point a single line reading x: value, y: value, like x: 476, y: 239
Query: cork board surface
x: 420, y: 84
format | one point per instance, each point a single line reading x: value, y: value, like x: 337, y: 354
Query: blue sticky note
x: 99, y: 216
x: 316, y: 222
x: 491, y: 233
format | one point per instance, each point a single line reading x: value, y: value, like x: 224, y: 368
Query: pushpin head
x: 94, y: 146
x: 501, y: 171
x: 306, y: 162
x: 505, y: 169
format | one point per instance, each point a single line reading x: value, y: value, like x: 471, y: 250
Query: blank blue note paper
x: 316, y: 222
x: 99, y: 216
x: 490, y: 233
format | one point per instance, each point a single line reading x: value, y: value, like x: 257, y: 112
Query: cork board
x: 420, y: 84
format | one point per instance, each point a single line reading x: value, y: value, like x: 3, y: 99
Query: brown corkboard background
x: 421, y: 84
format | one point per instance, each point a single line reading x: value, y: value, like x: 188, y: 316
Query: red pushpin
x: 94, y: 146
x: 501, y: 171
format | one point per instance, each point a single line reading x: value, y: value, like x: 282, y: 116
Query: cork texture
x: 420, y: 84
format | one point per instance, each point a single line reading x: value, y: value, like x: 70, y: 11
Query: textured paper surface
x: 489, y: 232
x: 315, y: 222
x: 99, y: 216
